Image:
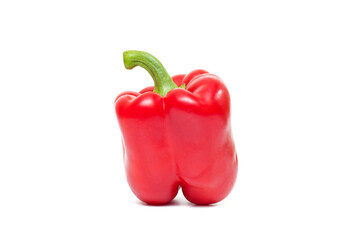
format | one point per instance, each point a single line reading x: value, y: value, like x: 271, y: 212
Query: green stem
x: 163, y: 83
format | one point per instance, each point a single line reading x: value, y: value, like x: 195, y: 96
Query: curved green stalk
x: 163, y: 83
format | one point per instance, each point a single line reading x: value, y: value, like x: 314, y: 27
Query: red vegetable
x: 177, y: 134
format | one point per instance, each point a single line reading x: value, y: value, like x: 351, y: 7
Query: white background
x: 293, y: 69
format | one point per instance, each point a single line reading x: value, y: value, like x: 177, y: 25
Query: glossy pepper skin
x: 177, y: 134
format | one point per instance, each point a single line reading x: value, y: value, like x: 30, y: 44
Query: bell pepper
x: 177, y: 134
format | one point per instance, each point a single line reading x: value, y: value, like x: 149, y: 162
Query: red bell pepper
x: 177, y: 134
